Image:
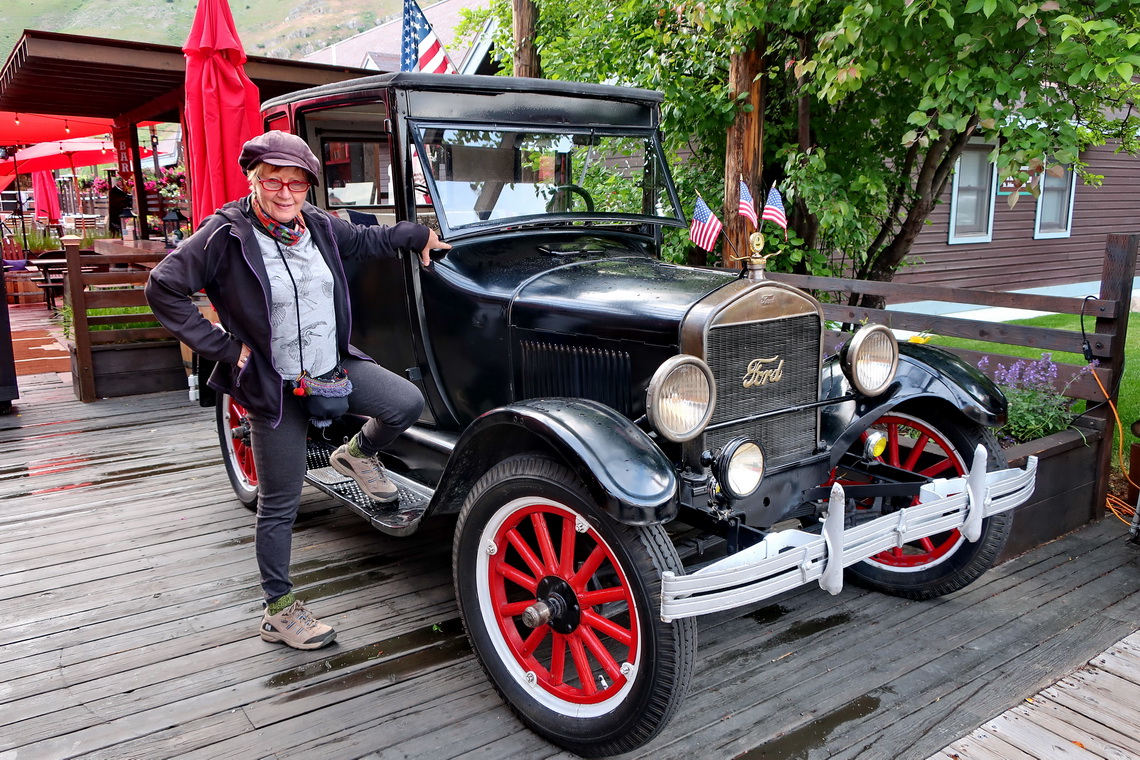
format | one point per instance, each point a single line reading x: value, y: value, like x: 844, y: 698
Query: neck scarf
x: 281, y: 233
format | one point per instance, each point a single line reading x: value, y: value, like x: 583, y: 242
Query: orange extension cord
x: 1117, y: 506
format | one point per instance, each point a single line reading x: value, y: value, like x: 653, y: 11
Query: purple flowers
x: 1036, y: 407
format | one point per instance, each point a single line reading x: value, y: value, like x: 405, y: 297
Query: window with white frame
x: 1055, y: 205
x: 972, y: 196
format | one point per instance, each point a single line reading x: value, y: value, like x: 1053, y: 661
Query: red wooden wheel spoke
x: 587, y: 570
x: 926, y: 544
x: 915, y: 452
x: 940, y: 467
x: 610, y: 628
x: 557, y: 659
x: 542, y: 535
x: 566, y: 556
x: 892, y: 452
x: 601, y: 654
x: 518, y: 576
x: 534, y: 639
x: 513, y: 609
x: 528, y: 555
x: 582, y: 664
x: 602, y: 596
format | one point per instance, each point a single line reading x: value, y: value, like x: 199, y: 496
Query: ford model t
x: 628, y: 443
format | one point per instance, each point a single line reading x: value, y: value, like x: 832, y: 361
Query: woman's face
x: 283, y: 205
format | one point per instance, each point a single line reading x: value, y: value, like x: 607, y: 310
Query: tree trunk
x: 526, y: 54
x: 745, y: 150
x: 806, y: 223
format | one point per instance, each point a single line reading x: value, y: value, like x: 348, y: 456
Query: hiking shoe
x: 296, y: 627
x: 367, y: 472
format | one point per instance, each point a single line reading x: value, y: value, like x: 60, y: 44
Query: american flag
x: 774, y: 209
x: 421, y: 49
x: 705, y: 227
x: 747, y: 205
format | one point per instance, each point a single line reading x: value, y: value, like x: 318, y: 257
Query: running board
x: 398, y: 518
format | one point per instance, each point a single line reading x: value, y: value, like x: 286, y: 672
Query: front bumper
x: 791, y: 558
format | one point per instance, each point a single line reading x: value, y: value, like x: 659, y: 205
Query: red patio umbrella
x: 223, y: 109
x: 46, y: 196
x: 63, y: 154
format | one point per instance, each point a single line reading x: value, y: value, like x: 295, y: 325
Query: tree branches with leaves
x: 892, y: 92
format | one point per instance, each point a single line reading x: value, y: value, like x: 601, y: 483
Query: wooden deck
x: 129, y: 603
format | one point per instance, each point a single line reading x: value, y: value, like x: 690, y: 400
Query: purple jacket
x: 223, y: 257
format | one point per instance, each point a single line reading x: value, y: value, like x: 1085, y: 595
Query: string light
x: 17, y: 120
x: 66, y: 127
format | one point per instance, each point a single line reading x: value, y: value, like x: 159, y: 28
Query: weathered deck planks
x: 128, y: 606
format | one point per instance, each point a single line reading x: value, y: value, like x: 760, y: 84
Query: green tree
x: 868, y: 105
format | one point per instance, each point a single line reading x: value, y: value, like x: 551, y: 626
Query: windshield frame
x: 651, y: 135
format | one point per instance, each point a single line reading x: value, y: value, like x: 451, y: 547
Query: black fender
x: 623, y: 469
x: 924, y: 372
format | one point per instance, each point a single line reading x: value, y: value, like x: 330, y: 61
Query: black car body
x: 628, y: 443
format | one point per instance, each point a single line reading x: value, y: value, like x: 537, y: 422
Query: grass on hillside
x: 1128, y: 404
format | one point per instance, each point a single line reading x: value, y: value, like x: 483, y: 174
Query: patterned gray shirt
x: 310, y: 305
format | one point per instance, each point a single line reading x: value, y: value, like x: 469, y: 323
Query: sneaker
x: 296, y: 627
x: 367, y: 472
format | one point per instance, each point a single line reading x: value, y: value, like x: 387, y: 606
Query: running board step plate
x: 398, y: 518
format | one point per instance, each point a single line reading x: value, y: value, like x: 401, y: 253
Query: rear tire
x: 237, y: 449
x: 604, y: 674
x: 945, y: 562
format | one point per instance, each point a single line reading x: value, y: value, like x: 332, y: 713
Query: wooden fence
x: 1106, y: 317
x: 108, y: 357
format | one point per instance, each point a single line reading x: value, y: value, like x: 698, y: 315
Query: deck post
x: 83, y: 371
x: 1107, y: 344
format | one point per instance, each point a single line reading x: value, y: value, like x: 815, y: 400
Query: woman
x: 271, y: 266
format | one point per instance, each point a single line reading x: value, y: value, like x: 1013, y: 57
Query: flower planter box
x: 132, y: 368
x: 1066, y: 486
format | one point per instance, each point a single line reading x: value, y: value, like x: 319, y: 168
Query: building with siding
x: 975, y: 240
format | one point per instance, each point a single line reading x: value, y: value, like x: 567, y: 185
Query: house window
x: 1055, y: 206
x: 972, y: 196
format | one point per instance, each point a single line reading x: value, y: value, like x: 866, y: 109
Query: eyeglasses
x: 295, y: 185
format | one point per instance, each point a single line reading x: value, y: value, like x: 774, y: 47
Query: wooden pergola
x: 128, y: 82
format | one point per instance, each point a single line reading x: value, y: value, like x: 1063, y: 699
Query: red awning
x: 37, y: 128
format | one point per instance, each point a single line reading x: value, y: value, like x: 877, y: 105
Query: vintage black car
x: 628, y: 443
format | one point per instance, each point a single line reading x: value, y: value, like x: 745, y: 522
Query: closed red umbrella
x: 46, y: 195
x: 223, y: 109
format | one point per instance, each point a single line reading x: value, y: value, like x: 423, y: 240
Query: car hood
x: 620, y: 298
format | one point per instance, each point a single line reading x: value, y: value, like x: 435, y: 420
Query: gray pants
x: 391, y: 402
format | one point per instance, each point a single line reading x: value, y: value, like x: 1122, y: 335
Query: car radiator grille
x: 550, y: 370
x: 792, y: 346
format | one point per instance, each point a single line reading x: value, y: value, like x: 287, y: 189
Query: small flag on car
x: 705, y: 226
x: 774, y: 210
x: 747, y: 205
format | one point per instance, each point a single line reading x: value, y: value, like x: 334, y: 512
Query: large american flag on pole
x: 705, y: 227
x: 421, y: 49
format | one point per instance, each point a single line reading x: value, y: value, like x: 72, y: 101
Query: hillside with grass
x: 273, y: 28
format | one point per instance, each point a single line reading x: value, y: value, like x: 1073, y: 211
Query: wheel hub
x: 555, y: 605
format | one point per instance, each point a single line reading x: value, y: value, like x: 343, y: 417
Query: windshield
x: 491, y: 176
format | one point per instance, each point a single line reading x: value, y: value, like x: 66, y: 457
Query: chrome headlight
x: 870, y: 359
x: 681, y: 398
x: 740, y: 467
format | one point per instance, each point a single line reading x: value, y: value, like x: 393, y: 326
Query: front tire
x: 938, y: 446
x: 237, y: 449
x: 602, y: 674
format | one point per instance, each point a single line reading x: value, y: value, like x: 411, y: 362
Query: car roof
x: 474, y: 84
